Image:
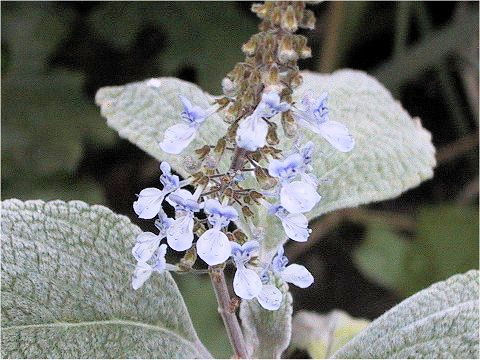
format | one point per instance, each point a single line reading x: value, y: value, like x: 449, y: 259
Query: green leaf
x: 446, y: 243
x: 197, y: 34
x: 393, y: 153
x: 441, y: 321
x: 66, y: 293
x: 267, y: 333
x: 322, y: 335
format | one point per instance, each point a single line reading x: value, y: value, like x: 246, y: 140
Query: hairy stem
x: 230, y: 320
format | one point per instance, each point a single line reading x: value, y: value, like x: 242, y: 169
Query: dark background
x: 56, y: 145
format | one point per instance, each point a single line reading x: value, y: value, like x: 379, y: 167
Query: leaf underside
x: 441, y: 321
x: 66, y: 293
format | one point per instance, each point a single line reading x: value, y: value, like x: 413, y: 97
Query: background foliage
x: 56, y: 145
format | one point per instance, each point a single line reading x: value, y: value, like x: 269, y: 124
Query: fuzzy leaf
x: 441, y: 321
x: 393, y: 153
x: 66, y: 292
x: 267, y: 333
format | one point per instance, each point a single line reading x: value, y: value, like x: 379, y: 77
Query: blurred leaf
x: 202, y: 304
x: 440, y: 322
x: 66, y: 288
x: 205, y: 36
x: 267, y: 333
x: 44, y: 112
x: 446, y: 243
x: 322, y: 335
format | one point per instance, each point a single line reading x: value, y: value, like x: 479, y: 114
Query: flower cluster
x: 257, y: 100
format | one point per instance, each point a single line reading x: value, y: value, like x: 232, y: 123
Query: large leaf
x: 66, y: 290
x: 266, y: 332
x: 393, y: 152
x: 409, y: 265
x: 441, y: 321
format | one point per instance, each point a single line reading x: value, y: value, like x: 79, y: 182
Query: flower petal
x: 149, y: 203
x: 297, y: 275
x: 252, y: 133
x: 270, y: 297
x: 160, y: 262
x: 146, y: 245
x: 296, y: 227
x: 141, y: 274
x: 337, y: 135
x: 246, y: 283
x: 180, y: 233
x: 213, y: 247
x: 177, y: 138
x: 298, y: 197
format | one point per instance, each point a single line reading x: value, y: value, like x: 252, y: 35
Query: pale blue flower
x: 149, y: 202
x: 295, y: 274
x: 287, y: 169
x: 294, y: 225
x: 179, y: 136
x: 270, y: 297
x: 252, y: 131
x: 313, y: 115
x: 213, y: 246
x: 270, y: 105
x: 298, y: 197
x: 143, y: 270
x: 180, y: 232
x: 246, y: 282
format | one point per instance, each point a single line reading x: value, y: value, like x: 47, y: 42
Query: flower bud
x: 264, y: 179
x: 250, y: 46
x: 286, y: 51
x: 260, y: 10
x: 289, y: 125
x: 272, y: 138
x: 289, y: 20
x: 191, y: 165
x: 210, y: 162
x: 229, y: 89
x: 308, y: 21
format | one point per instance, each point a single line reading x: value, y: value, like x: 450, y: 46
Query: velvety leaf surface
x: 441, y: 321
x: 66, y: 293
x: 267, y: 333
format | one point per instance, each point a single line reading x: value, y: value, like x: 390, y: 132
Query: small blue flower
x: 314, y: 116
x: 213, y: 246
x: 298, y: 197
x: 179, y: 136
x: 287, y: 169
x: 246, y: 282
x: 295, y: 225
x: 149, y: 202
x: 143, y: 270
x: 252, y: 131
x: 180, y: 232
x: 270, y: 297
x: 270, y: 105
x: 295, y: 274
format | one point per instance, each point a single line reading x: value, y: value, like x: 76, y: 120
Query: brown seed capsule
x: 230, y: 236
x: 199, y: 228
x: 232, y: 131
x: 272, y: 77
x: 272, y: 138
x: 255, y: 195
x: 264, y: 179
x: 247, y: 199
x: 202, y: 152
x: 289, y: 124
x: 228, y: 192
x: 240, y: 236
x: 289, y: 20
x: 247, y: 212
x: 296, y: 80
x: 260, y: 10
x: 220, y: 147
x: 276, y: 16
x: 224, y: 101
